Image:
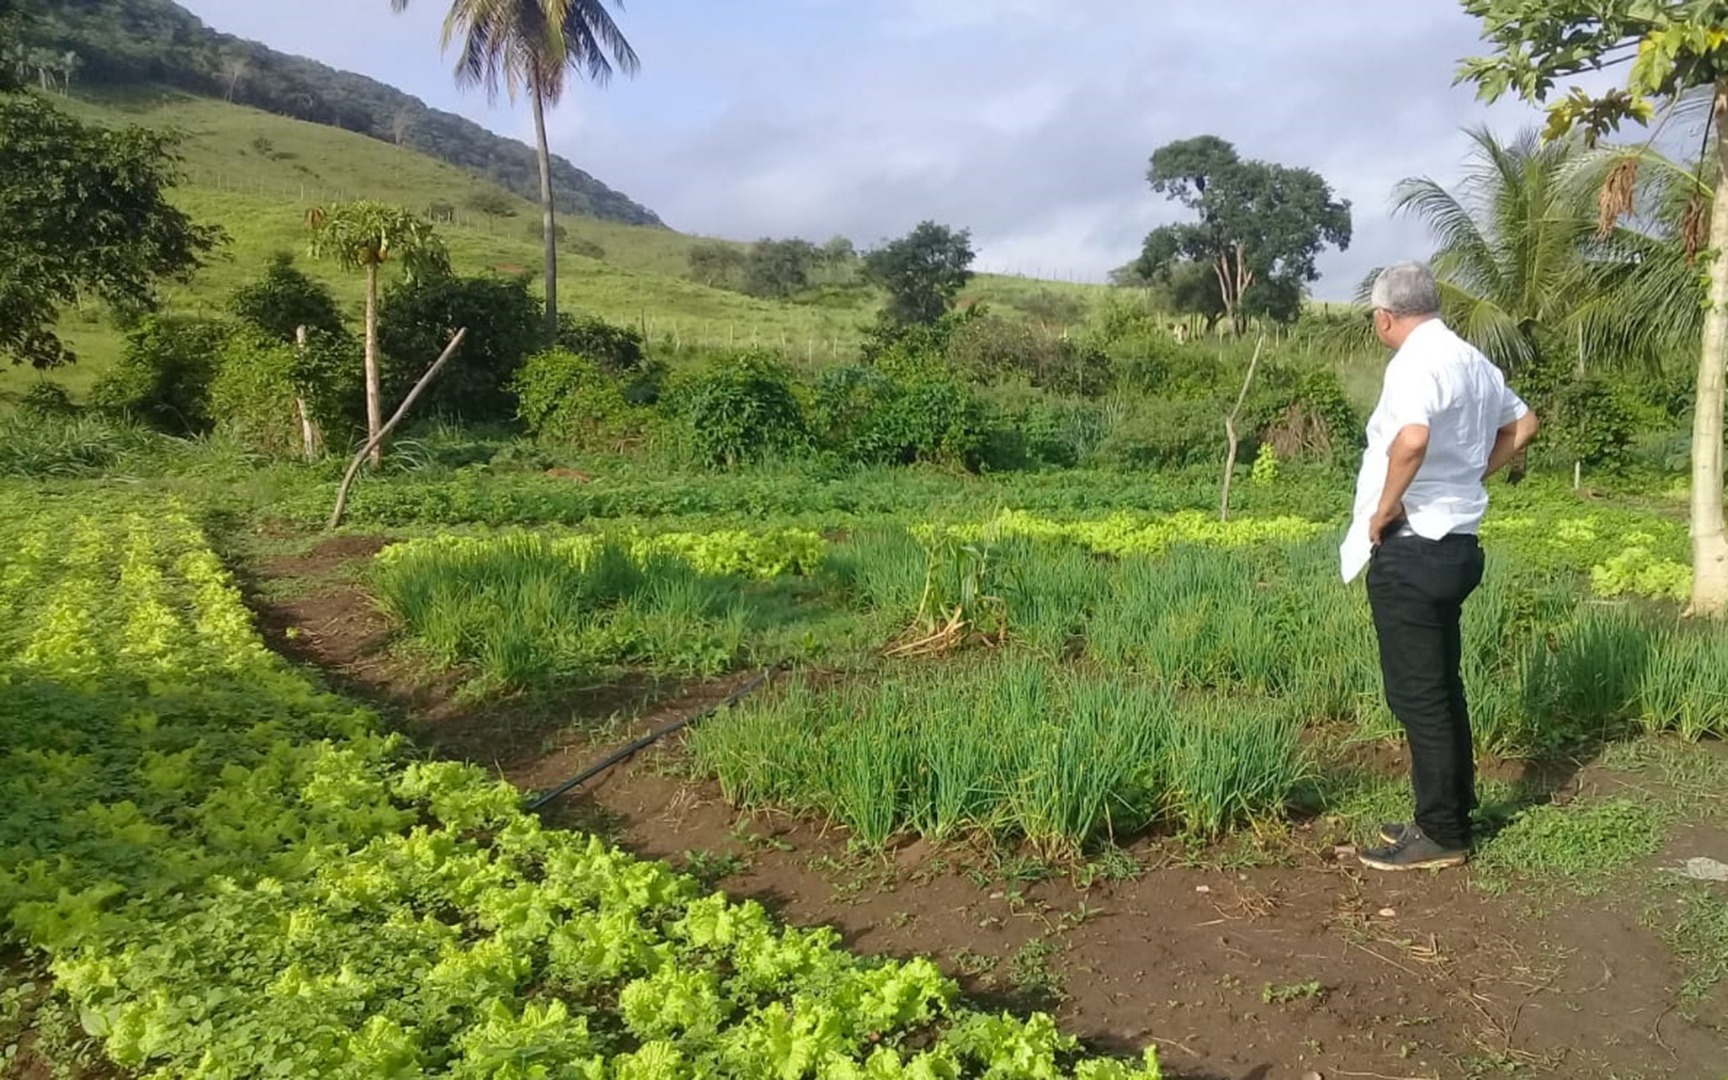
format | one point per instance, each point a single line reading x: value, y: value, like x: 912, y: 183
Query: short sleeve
x: 1512, y: 407
x: 1412, y: 395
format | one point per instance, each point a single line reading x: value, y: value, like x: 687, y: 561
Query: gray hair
x: 1406, y: 289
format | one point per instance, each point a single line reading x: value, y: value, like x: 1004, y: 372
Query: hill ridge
x: 140, y: 42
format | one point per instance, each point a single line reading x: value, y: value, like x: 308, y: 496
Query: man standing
x: 1446, y: 422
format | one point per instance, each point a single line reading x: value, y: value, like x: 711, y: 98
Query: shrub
x: 739, y: 410
x: 872, y: 417
x: 569, y: 398
x: 260, y: 380
x: 285, y: 299
x: 992, y: 349
x: 416, y: 321
x: 164, y: 375
x: 1590, y: 424
x: 60, y: 448
x: 620, y: 352
x: 1032, y: 430
x: 47, y: 401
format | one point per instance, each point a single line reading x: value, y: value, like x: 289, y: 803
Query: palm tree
x: 365, y: 236
x: 530, y: 46
x: 1523, y: 260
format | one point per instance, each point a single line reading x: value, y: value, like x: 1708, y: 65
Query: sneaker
x: 1413, y: 851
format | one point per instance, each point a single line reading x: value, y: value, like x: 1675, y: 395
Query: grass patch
x: 1577, y: 846
x: 1698, y: 934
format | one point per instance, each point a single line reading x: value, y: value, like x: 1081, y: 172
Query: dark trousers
x: 1417, y: 589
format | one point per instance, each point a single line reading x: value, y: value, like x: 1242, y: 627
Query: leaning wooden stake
x: 384, y: 432
x: 308, y: 430
x: 1230, y: 429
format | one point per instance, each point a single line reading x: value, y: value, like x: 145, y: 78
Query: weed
x: 1113, y: 865
x: 1030, y: 971
x: 710, y: 868
x: 1273, y: 994
x: 1576, y: 845
x: 1697, y: 931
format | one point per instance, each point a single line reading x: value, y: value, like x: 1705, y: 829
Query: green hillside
x: 256, y: 174
x: 127, y: 43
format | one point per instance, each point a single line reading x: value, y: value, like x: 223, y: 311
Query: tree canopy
x: 83, y: 212
x: 923, y: 271
x: 1260, y: 226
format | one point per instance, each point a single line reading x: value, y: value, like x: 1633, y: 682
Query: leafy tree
x: 1260, y: 228
x: 492, y: 203
x: 778, y: 268
x: 417, y: 319
x: 713, y: 262
x: 838, y: 256
x: 365, y: 236
x: 531, y: 47
x: 923, y: 271
x: 285, y: 299
x: 1672, y: 48
x: 83, y: 211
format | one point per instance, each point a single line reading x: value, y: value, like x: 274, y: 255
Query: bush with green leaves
x: 283, y: 299
x: 1589, y: 423
x: 871, y: 416
x: 261, y: 382
x: 418, y: 317
x: 741, y: 409
x: 164, y: 375
x: 991, y: 349
x: 619, y: 350
x: 570, y: 399
x: 47, y: 401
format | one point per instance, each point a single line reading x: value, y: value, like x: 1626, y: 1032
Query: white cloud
x: 1029, y: 121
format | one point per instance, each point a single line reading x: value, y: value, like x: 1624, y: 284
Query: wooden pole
x: 1230, y: 430
x: 377, y: 441
x: 308, y: 432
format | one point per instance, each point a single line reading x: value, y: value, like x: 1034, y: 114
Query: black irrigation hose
x: 649, y: 739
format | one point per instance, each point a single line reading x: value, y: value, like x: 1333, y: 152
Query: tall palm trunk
x: 374, y: 393
x: 1709, y: 538
x: 549, y: 220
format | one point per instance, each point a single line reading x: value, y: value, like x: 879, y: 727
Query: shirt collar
x: 1426, y: 330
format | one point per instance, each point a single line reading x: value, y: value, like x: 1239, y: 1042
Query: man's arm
x: 1403, y: 460
x: 1511, y: 439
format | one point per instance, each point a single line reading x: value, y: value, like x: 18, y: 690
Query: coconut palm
x: 365, y: 236
x: 1524, y: 262
x: 530, y: 47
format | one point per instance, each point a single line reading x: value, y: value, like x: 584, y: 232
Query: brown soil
x: 1417, y: 975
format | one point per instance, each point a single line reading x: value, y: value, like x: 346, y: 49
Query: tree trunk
x: 548, y: 215
x: 1709, y: 540
x: 374, y: 392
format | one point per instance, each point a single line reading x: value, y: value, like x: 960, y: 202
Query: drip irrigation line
x: 649, y: 739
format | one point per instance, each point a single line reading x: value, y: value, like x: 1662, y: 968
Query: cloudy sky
x: 1028, y: 121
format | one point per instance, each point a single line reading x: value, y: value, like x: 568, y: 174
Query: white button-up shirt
x: 1440, y: 381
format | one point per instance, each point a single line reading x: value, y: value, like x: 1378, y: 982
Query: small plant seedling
x: 1030, y: 971
x: 1274, y: 994
x: 711, y: 868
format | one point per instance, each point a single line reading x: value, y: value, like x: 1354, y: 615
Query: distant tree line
x: 124, y: 42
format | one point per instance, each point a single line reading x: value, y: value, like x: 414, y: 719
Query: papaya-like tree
x: 366, y: 236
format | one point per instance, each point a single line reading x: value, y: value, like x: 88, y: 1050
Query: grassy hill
x: 256, y: 174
